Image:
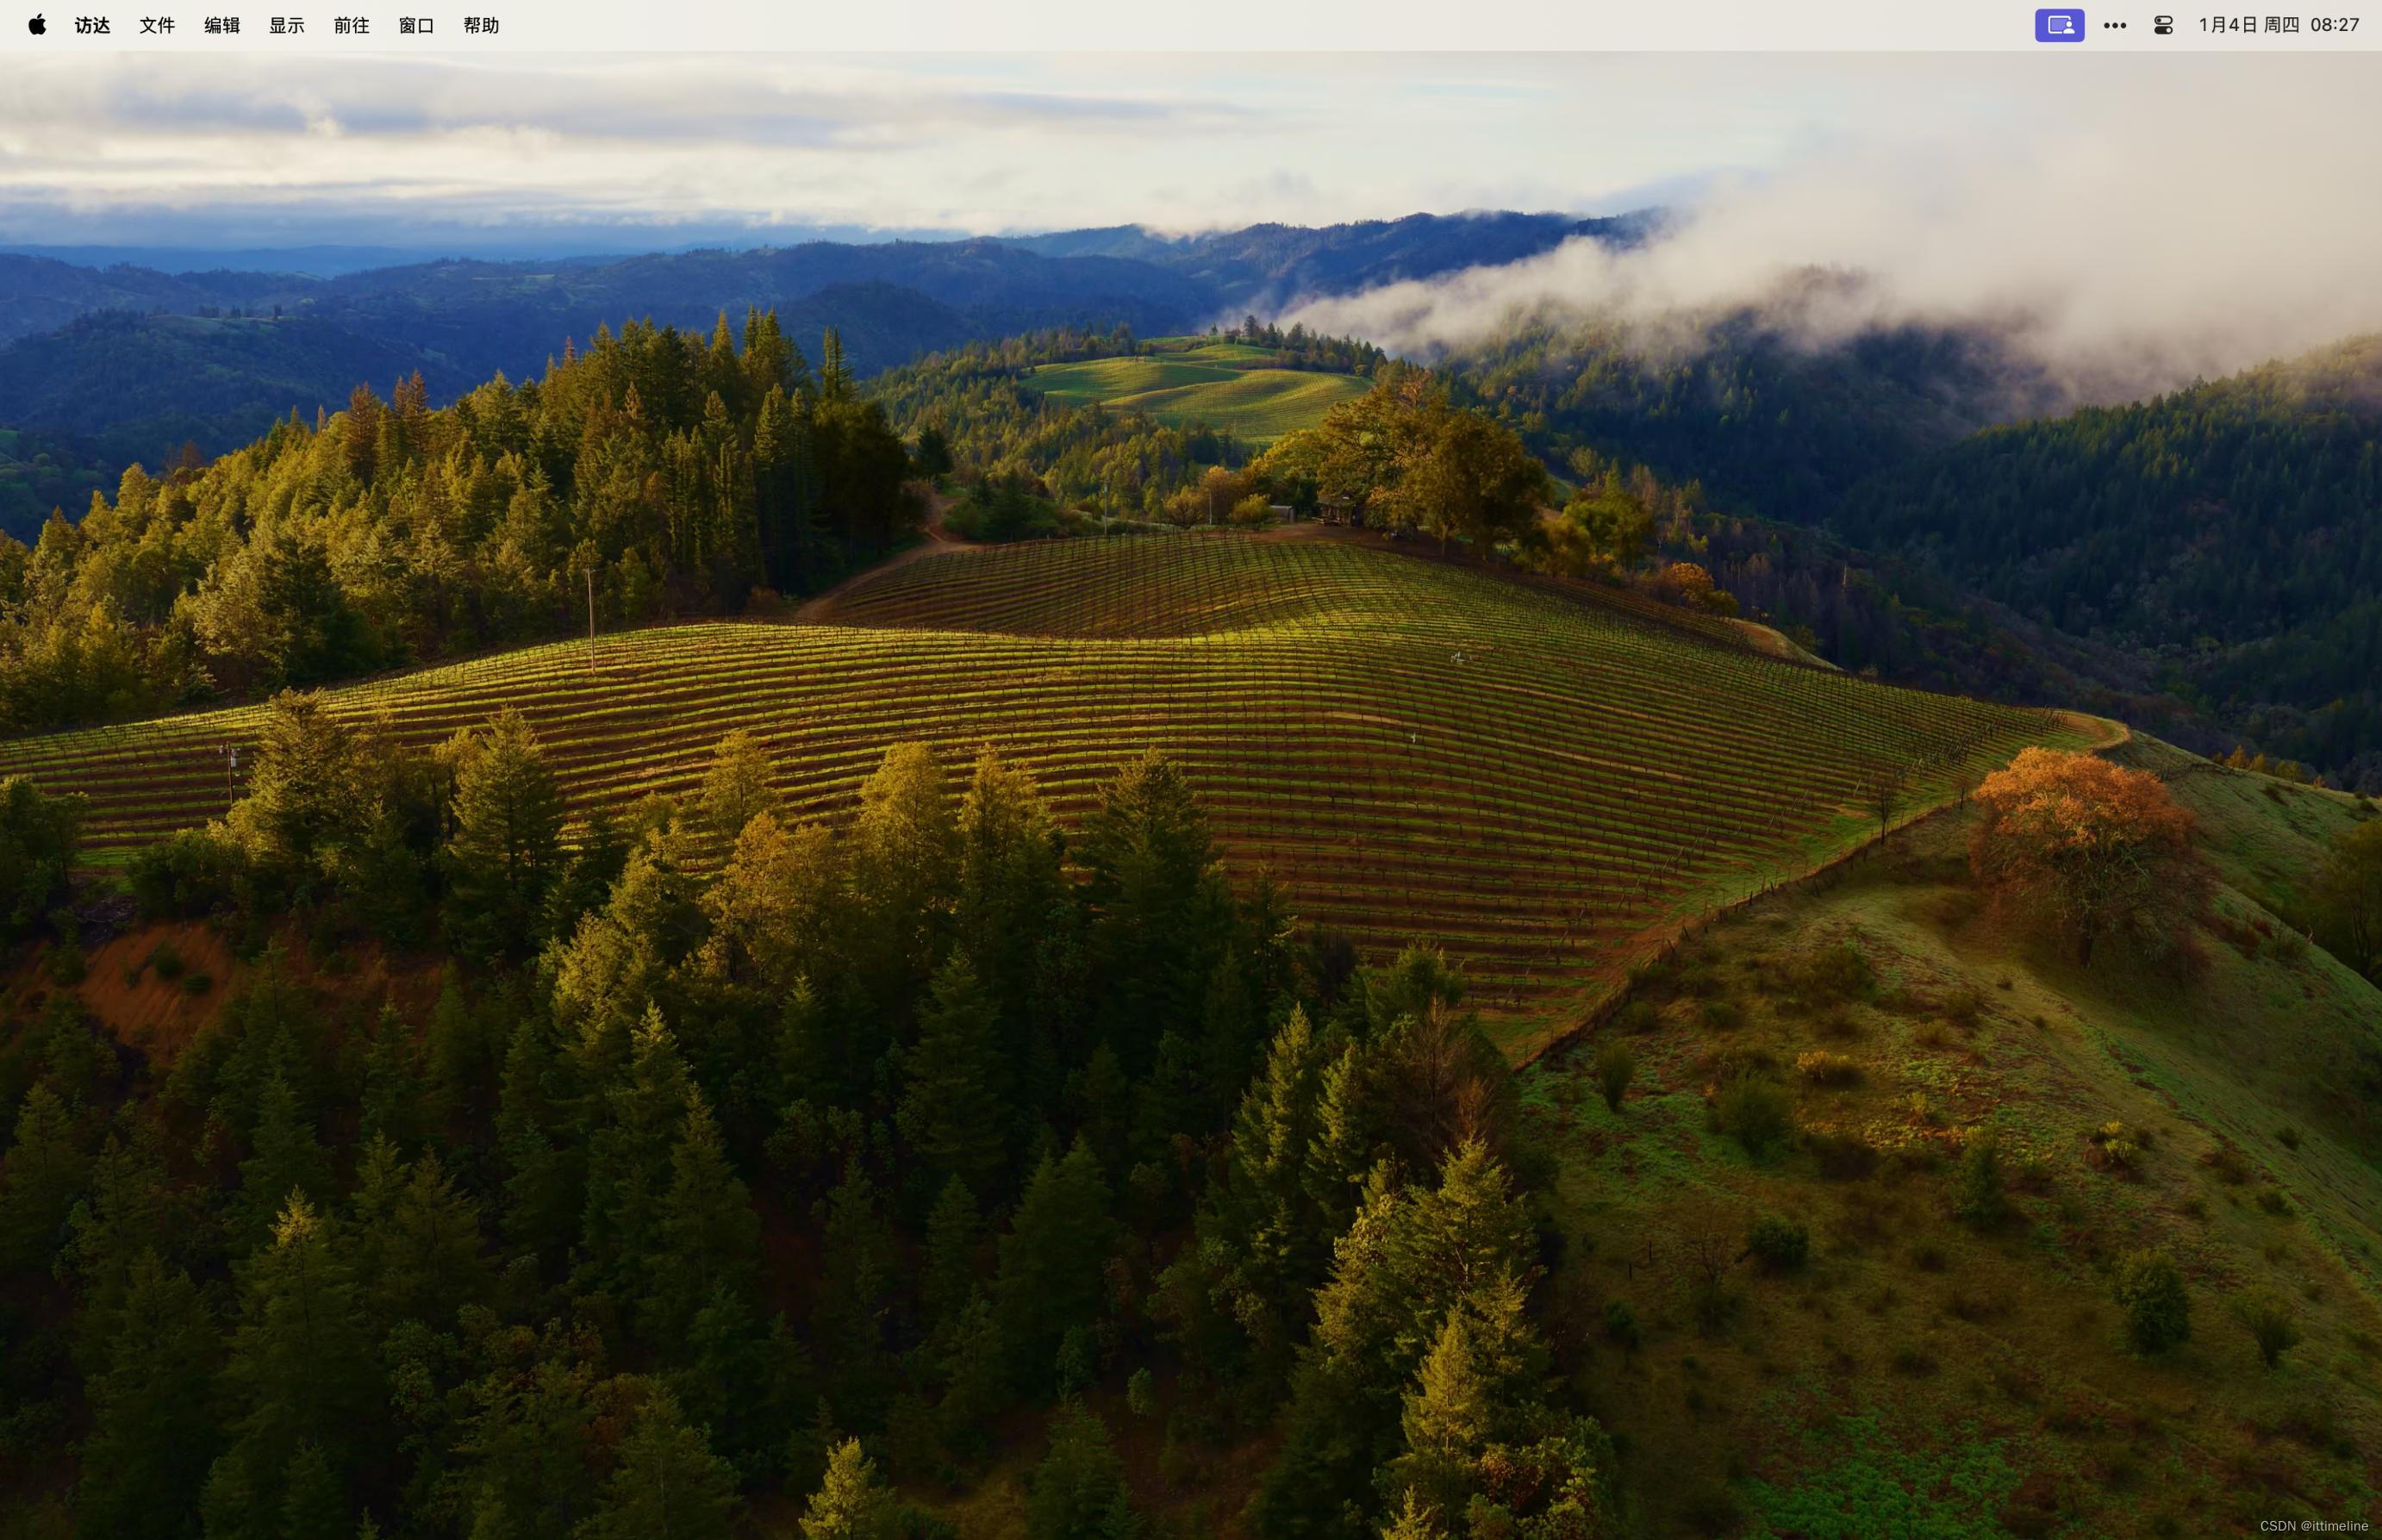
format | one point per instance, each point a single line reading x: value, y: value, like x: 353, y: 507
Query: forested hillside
x: 1768, y: 422
x: 727, y: 1140
x: 656, y: 472
x: 118, y: 388
x: 125, y: 387
x: 2204, y: 562
x: 2233, y: 529
x: 40, y: 294
x: 1272, y: 266
x: 40, y: 472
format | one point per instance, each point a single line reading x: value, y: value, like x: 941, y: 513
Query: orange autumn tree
x: 2094, y: 848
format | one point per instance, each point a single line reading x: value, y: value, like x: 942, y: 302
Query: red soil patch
x: 124, y: 991
x: 157, y: 1017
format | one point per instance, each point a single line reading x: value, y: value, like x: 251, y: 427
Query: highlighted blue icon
x: 2059, y: 26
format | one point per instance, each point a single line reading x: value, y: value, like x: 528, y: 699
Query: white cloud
x: 119, y: 143
x: 2134, y: 225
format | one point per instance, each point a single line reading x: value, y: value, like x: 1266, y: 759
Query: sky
x: 256, y: 151
x: 2134, y: 217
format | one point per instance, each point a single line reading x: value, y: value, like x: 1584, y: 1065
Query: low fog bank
x: 2122, y: 239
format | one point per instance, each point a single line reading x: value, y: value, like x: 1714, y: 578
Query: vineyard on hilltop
x: 1548, y: 784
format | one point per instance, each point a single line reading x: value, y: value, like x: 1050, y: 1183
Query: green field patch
x: 1225, y: 385
x: 1864, y: 1485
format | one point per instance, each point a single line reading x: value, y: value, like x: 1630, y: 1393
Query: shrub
x: 1141, y: 1394
x: 1841, y: 1155
x: 1615, y: 1067
x: 2226, y: 1162
x: 1638, y: 1015
x: 1716, y: 1065
x: 1722, y: 1015
x: 193, y: 874
x: 1823, y: 1068
x: 1253, y: 511
x: 2268, y: 1318
x: 167, y: 958
x: 1780, y: 1244
x: 195, y: 984
x: 1839, y: 972
x: 1911, y: 1359
x: 1963, y: 1006
x: 2288, y: 1135
x: 1621, y: 1326
x: 2113, y: 1147
x: 1754, y: 1110
x: 1713, y: 1303
x: 1902, y: 1000
x: 1977, y: 1191
x: 2272, y: 1200
x: 1928, y: 1257
x: 2149, y: 1288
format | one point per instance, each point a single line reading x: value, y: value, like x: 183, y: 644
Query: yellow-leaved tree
x: 2092, y: 848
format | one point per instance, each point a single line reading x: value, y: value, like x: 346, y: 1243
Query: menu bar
x: 1276, y: 26
x: 162, y: 29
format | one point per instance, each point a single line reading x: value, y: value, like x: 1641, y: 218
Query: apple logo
x: 37, y: 26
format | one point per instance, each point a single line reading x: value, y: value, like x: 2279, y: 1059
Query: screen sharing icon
x: 2059, y: 26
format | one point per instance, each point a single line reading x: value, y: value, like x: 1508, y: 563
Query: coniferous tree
x: 1079, y: 1491
x: 286, y: 1157
x: 418, y: 1241
x: 543, y: 1172
x: 504, y: 857
x: 39, y: 839
x: 1159, y: 911
x: 133, y: 1213
x: 630, y: 1155
x: 610, y: 973
x: 955, y: 1110
x: 1013, y: 889
x: 300, y: 1377
x: 154, y: 1431
x: 953, y: 1236
x: 392, y: 1105
x: 849, y: 1316
x: 708, y: 1238
x: 741, y: 785
x: 1051, y: 1262
x: 527, y: 1441
x: 904, y: 851
x: 41, y: 1177
x: 668, y: 1483
x: 851, y: 1503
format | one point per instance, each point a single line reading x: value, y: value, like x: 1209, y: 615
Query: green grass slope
x: 1550, y: 786
x: 1224, y: 385
x: 1921, y: 1376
